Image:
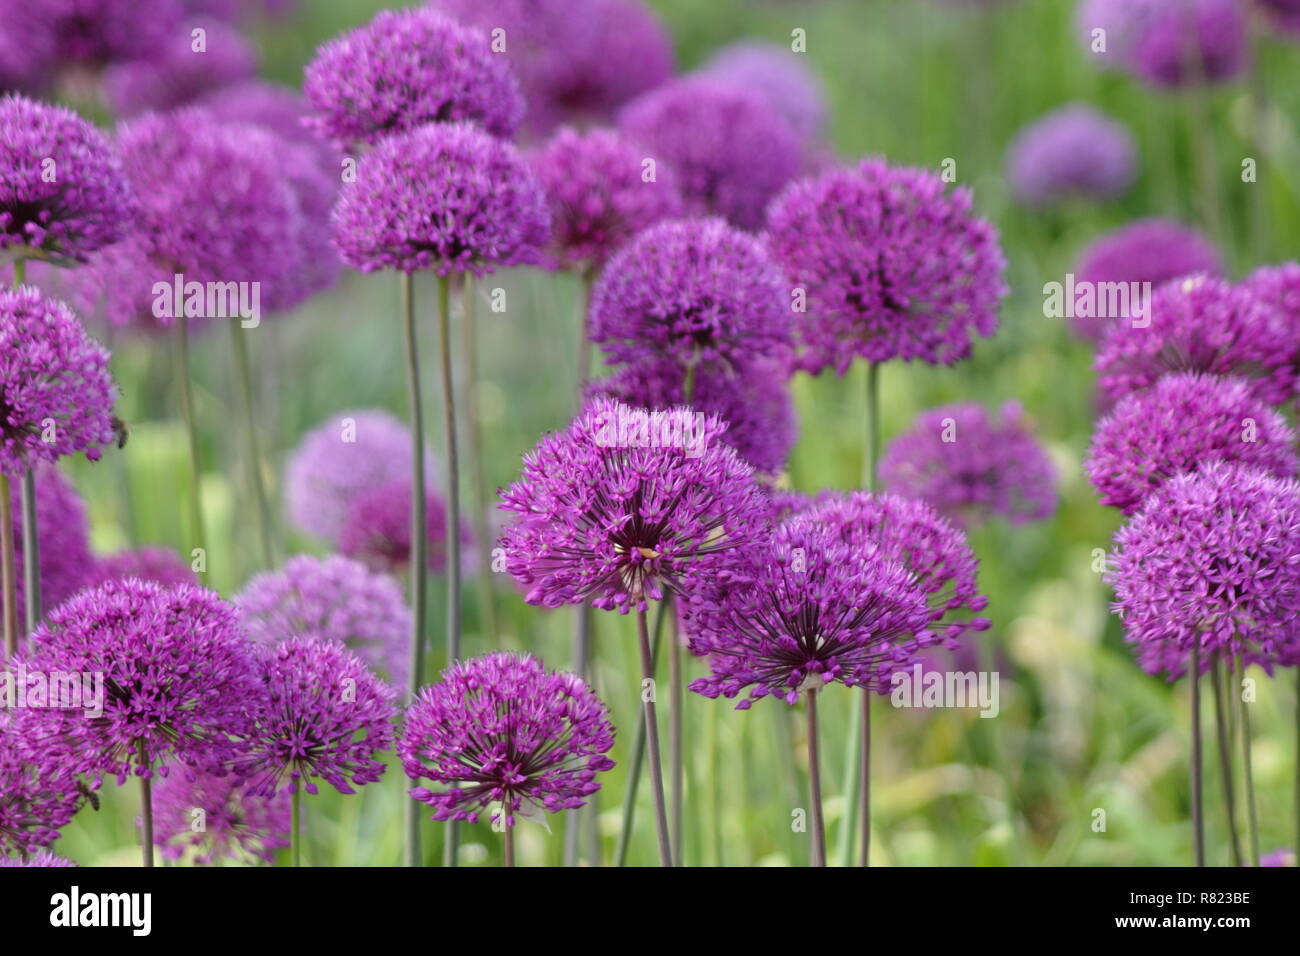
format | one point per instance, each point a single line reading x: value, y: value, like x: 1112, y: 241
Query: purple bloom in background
x: 694, y: 291
x: 26, y: 47
x: 447, y: 197
x: 1150, y: 251
x: 56, y: 393
x: 753, y: 400
x: 40, y: 858
x: 177, y: 73
x: 1179, y: 424
x: 324, y: 716
x: 1279, y: 857
x: 1167, y: 43
x: 94, y: 33
x: 39, y: 794
x: 1074, y: 152
x: 597, y: 198
x: 404, y: 69
x: 236, y: 823
x: 160, y: 565
x: 623, y: 503
x: 577, y: 60
x: 780, y: 76
x: 972, y: 466
x: 893, y: 264
x: 800, y: 610
x: 113, y: 289
x: 179, y: 676
x: 1201, y: 324
x: 1212, y: 559
x: 278, y: 108
x: 66, y: 564
x: 333, y: 598
x: 1283, y: 14
x: 62, y: 189
x: 377, y: 530
x: 501, y: 729
x: 729, y: 150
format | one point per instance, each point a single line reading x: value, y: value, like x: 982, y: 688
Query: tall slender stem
x: 652, y: 739
x: 474, y: 448
x: 451, y: 850
x: 581, y: 664
x: 584, y: 333
x: 244, y: 375
x: 1198, y: 822
x: 419, y: 536
x: 676, y: 722
x: 509, y: 836
x: 1225, y: 759
x: 1247, y: 764
x: 637, y: 760
x: 186, y: 388
x: 8, y: 567
x: 864, y: 779
x: 146, y: 805
x: 31, y: 551
x: 295, y: 834
x: 871, y: 463
x: 815, y: 782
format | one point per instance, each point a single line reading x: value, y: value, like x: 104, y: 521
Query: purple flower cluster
x: 237, y: 824
x: 38, y: 796
x: 1179, y: 424
x: 501, y: 729
x: 39, y: 858
x: 1278, y: 289
x: 176, y: 73
x: 1168, y: 43
x: 377, y: 530
x: 1074, y: 152
x: 63, y: 537
x: 892, y: 263
x: 779, y: 76
x: 971, y: 466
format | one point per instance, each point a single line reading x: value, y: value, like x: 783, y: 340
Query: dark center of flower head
x: 27, y: 220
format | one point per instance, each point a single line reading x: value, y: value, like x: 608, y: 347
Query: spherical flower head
x: 502, y: 730
x: 177, y: 73
x: 66, y: 564
x: 1212, y: 560
x: 800, y: 610
x: 407, y: 68
x: 325, y: 716
x: 780, y: 76
x: 41, y: 858
x: 1167, y: 43
x: 160, y: 565
x: 63, y: 193
x: 597, y: 196
x: 377, y: 530
x: 39, y: 795
x: 754, y: 400
x: 1278, y: 288
x: 730, y: 151
x: 623, y: 502
x: 275, y: 107
x: 1151, y: 251
x: 1179, y: 424
x: 179, y: 676
x: 446, y: 197
x: 236, y: 823
x: 335, y: 599
x: 694, y: 291
x: 56, y: 393
x: 1201, y: 324
x: 892, y: 263
x: 1074, y: 152
x: 972, y: 466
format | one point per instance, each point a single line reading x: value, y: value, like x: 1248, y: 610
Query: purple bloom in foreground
x: 695, y: 291
x: 407, y: 68
x: 893, y: 265
x: 780, y: 77
x: 324, y: 716
x: 160, y: 565
x: 377, y: 531
x: 623, y: 503
x: 729, y: 150
x: 1074, y: 152
x: 62, y: 189
x: 333, y: 598
x: 66, y: 564
x: 56, y: 393
x: 236, y: 823
x: 446, y: 197
x: 1167, y: 43
x: 972, y: 466
x: 39, y: 795
x: 40, y: 858
x: 1201, y: 324
x: 1278, y: 289
x: 176, y: 73
x: 801, y: 610
x: 1212, y: 559
x: 501, y: 729
x: 597, y: 197
x: 1179, y: 424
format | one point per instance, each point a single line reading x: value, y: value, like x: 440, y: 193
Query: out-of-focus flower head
x: 780, y: 76
x: 236, y: 824
x: 1166, y: 43
x: 1074, y: 152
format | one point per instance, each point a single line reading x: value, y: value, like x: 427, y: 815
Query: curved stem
x: 451, y: 850
x: 1198, y: 823
x: 8, y: 567
x: 186, y: 389
x: 652, y: 739
x: 243, y: 372
x: 815, y: 782
x: 636, y: 761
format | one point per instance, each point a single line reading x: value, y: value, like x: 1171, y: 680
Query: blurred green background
x: 1080, y: 728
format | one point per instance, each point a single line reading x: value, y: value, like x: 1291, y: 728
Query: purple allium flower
x: 447, y: 197
x: 179, y: 676
x: 325, y: 716
x: 800, y: 610
x: 597, y: 198
x: 778, y: 74
x: 1147, y: 251
x: 501, y: 729
x: 1212, y: 559
x: 56, y: 393
x: 177, y: 73
x: 39, y: 794
x: 94, y: 33
x: 623, y: 503
x: 377, y: 530
x: 1167, y: 43
x: 160, y: 565
x: 113, y: 289
x: 972, y: 466
x: 730, y: 151
x: 236, y: 823
x: 1278, y: 288
x: 1201, y: 324
x: 66, y: 564
x: 577, y: 60
x: 1285, y: 15
x: 278, y: 108
x: 1179, y: 424
x: 26, y: 47
x: 404, y: 69
x: 333, y: 598
x: 1279, y: 857
x: 1073, y: 152
x: 754, y: 401
x: 62, y: 189
x: 351, y: 453
x: 893, y: 264
x: 40, y: 858
x: 694, y: 291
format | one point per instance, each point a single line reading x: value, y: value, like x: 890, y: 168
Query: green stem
x: 244, y: 375
x: 474, y: 443
x: 146, y: 806
x: 451, y: 850
x: 815, y: 784
x: 652, y: 739
x: 8, y: 567
x: 584, y: 333
x: 295, y: 836
x: 31, y: 551
x: 636, y: 761
x: 510, y: 845
x: 1198, y: 821
x: 1247, y: 763
x: 1225, y: 760
x: 581, y: 664
x: 186, y: 388
x: 676, y: 724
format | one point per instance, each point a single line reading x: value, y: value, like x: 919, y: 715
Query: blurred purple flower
x: 160, y: 565
x: 779, y: 75
x: 177, y: 73
x: 377, y: 530
x: 63, y: 532
x: 1278, y: 289
x: 1074, y: 152
x: 1167, y: 43
x: 40, y: 858
x: 235, y: 823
